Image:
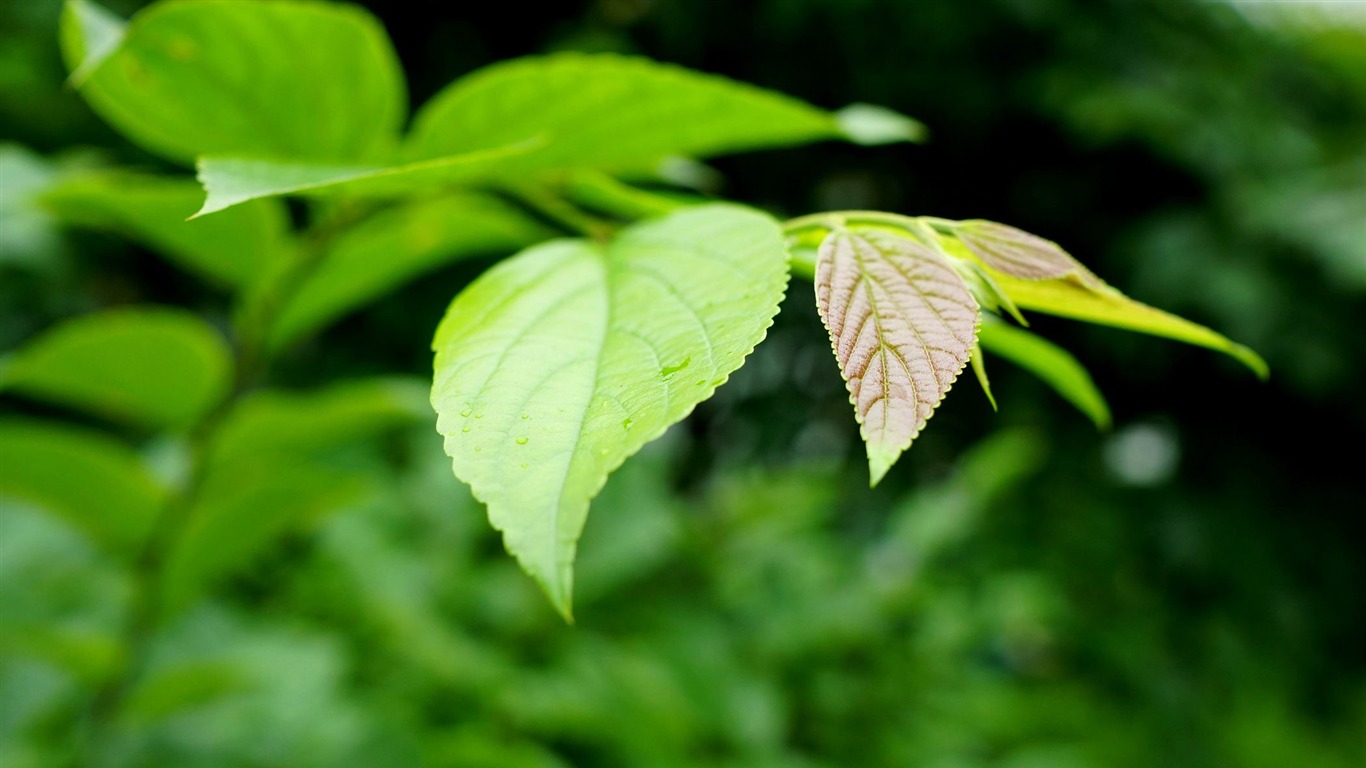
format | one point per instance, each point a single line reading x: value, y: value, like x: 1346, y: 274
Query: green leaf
x: 397, y: 245
x: 979, y: 369
x: 299, y: 80
x: 1051, y: 363
x: 560, y: 112
x: 231, y: 250
x: 1099, y: 303
x: 610, y: 112
x: 95, y: 483
x: 231, y: 181
x: 561, y: 362
x: 275, y: 423
x: 1037, y: 274
x: 902, y: 325
x: 156, y: 367
x: 89, y: 655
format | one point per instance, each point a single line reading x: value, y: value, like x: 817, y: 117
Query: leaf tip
x: 1251, y: 359
x: 879, y: 464
x: 872, y: 125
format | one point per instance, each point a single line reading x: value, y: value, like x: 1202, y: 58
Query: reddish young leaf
x: 902, y: 325
x: 1017, y: 253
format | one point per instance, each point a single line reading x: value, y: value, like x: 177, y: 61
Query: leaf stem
x: 557, y: 210
x: 600, y: 192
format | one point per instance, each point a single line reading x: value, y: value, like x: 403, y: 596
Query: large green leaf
x: 95, y: 483
x: 1051, y: 363
x: 299, y: 80
x: 561, y: 112
x: 561, y: 362
x: 157, y: 367
x: 611, y: 112
x: 397, y: 245
x: 231, y: 249
x: 902, y: 324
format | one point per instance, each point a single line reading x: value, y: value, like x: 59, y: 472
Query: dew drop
x: 479, y: 415
x: 465, y: 428
x: 521, y: 440
x: 526, y: 416
x: 626, y: 423
x: 465, y: 412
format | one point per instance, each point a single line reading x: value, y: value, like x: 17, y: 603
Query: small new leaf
x: 1017, y: 253
x: 902, y: 324
x: 1037, y: 275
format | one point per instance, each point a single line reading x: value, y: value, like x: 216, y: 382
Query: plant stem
x: 598, y: 191
x: 554, y: 208
x: 253, y: 353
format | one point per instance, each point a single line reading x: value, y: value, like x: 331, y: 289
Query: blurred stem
x: 543, y: 201
x: 600, y: 192
x: 253, y: 357
x: 260, y: 309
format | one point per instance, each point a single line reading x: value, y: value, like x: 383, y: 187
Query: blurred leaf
x: 1051, y: 363
x: 88, y: 655
x: 157, y: 367
x: 294, y: 80
x: 485, y: 747
x: 555, y: 113
x: 231, y: 250
x: 276, y: 423
x: 869, y: 124
x: 240, y: 510
x: 902, y: 325
x: 94, y: 34
x: 175, y: 689
x: 611, y: 112
x: 83, y: 477
x: 231, y: 181
x: 396, y: 245
x: 27, y: 233
x: 579, y: 353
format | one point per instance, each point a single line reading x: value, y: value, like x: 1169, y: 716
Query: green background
x: 1020, y: 591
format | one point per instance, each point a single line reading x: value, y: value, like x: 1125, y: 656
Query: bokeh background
x: 1022, y: 591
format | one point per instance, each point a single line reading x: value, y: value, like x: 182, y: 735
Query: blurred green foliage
x: 1021, y: 592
